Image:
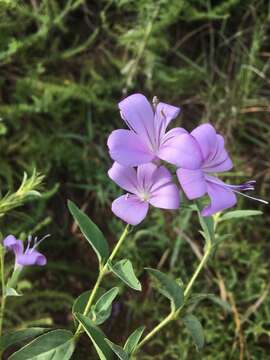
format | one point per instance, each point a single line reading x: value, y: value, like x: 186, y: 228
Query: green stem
x: 174, y: 314
x: 3, y: 298
x: 198, y: 270
x: 117, y: 246
x: 163, y: 323
x: 103, y: 271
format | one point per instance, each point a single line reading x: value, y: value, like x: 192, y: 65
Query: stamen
x: 251, y: 197
x: 29, y: 240
x: 155, y: 102
x: 144, y: 196
x: 243, y: 187
x: 239, y: 188
x: 35, y: 240
x: 248, y: 185
x: 37, y: 243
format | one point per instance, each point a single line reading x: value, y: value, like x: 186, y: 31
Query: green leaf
x: 55, y: 345
x: 11, y: 292
x: 12, y: 283
x: 197, y: 298
x: 91, y: 232
x: 207, y: 224
x: 236, y: 214
x: 105, y: 301
x: 121, y: 354
x: 133, y: 340
x: 101, y: 311
x: 124, y: 270
x: 195, y: 328
x: 19, y: 336
x: 100, y: 318
x: 169, y: 288
x: 97, y: 337
x: 81, y: 301
x: 222, y: 303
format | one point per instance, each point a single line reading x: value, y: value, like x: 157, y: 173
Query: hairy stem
x: 103, y: 271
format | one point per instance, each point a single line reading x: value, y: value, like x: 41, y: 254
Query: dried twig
x: 238, y: 329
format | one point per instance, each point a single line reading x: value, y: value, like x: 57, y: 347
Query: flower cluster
x: 139, y: 150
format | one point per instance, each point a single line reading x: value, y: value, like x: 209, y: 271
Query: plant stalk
x: 198, y: 270
x: 163, y: 323
x: 103, y: 271
x: 174, y: 314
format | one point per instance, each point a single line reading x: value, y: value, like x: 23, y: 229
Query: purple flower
x: 212, y: 158
x: 147, y: 140
x: 27, y: 257
x: 150, y: 184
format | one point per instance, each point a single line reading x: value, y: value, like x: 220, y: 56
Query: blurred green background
x: 64, y: 66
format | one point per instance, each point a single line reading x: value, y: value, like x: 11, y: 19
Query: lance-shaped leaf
x: 101, y: 311
x: 55, y: 345
x: 124, y: 270
x: 120, y: 352
x: 236, y: 214
x: 196, y: 330
x: 195, y: 299
x: 133, y: 340
x: 169, y: 288
x: 19, y: 336
x: 91, y: 232
x: 97, y: 337
x: 11, y: 292
x: 105, y: 301
x: 81, y: 301
x: 207, y: 224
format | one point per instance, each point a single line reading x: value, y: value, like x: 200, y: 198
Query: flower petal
x: 166, y: 197
x: 206, y: 137
x: 138, y: 114
x: 170, y: 112
x: 192, y: 182
x: 221, y: 198
x: 31, y: 257
x: 11, y: 243
x: 130, y: 209
x: 145, y: 176
x: 220, y: 160
x: 182, y: 151
x: 128, y: 149
x: 161, y: 177
x: 164, y: 114
x: 172, y: 134
x: 124, y: 176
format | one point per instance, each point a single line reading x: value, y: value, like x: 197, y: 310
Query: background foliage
x: 64, y: 65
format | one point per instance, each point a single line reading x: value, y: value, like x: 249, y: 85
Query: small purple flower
x: 212, y: 158
x: 146, y: 140
x: 27, y: 257
x: 150, y: 184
